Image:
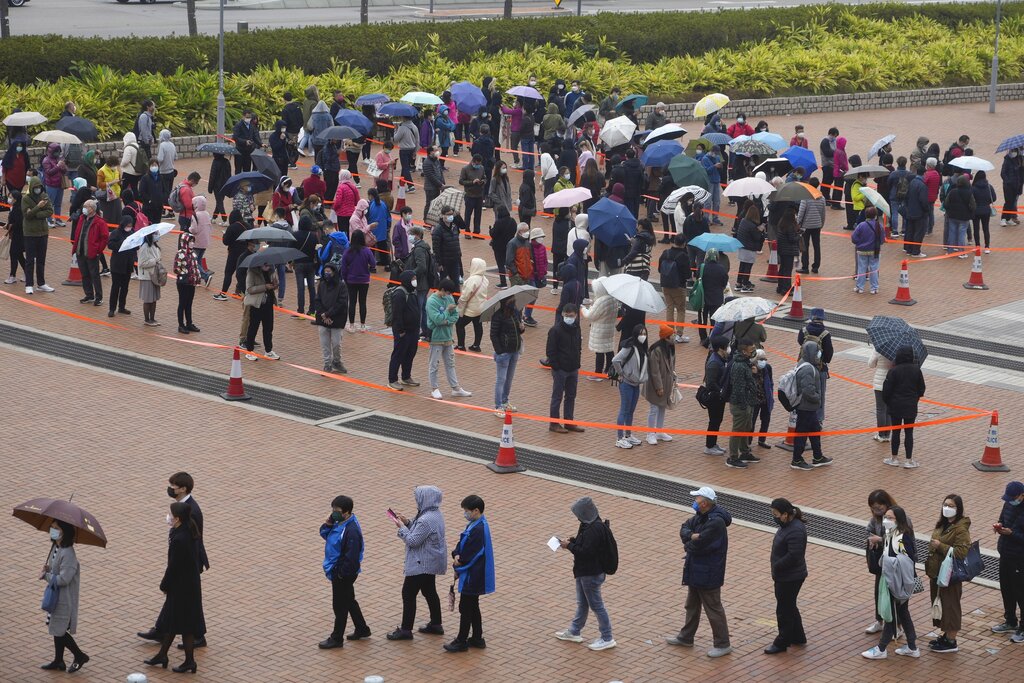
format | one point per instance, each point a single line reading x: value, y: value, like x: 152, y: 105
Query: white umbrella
x: 879, y: 144
x: 670, y: 131
x: 134, y: 240
x: 417, y: 97
x: 743, y: 308
x: 523, y: 294
x: 568, y: 197
x: 876, y: 200
x: 634, y: 292
x: 618, y: 131
x: 671, y: 201
x: 25, y: 118
x: 748, y: 187
x: 972, y: 164
x: 58, y: 136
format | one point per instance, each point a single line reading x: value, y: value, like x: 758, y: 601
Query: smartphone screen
x: 392, y: 515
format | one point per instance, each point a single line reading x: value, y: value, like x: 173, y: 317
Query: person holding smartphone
x: 426, y: 557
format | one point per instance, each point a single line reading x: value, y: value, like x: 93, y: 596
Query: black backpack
x: 725, y: 388
x: 903, y: 186
x: 668, y: 269
x: 609, y: 557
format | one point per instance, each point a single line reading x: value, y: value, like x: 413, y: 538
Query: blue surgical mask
x: 695, y: 506
x: 1015, y: 503
x: 468, y: 515
x: 761, y: 364
x: 55, y: 535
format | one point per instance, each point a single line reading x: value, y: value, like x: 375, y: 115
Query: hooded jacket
x: 618, y: 193
x: 959, y: 203
x: 426, y: 551
x: 359, y: 221
x: 633, y: 170
x: 53, y: 166
x: 920, y: 153
x: 446, y: 244
x: 563, y: 345
x: 343, y: 547
x: 904, y: 385
x: 444, y: 126
x: 551, y: 122
x: 35, y: 209
x: 202, y: 222
x: 586, y: 546
x: 475, y: 289
x: 601, y: 315
x: 312, y: 99
x: 331, y: 300
x: 807, y: 378
x: 1012, y: 518
x: 405, y: 307
x: 406, y: 136
x: 166, y: 153
x: 704, y: 565
x: 580, y: 232
x: 840, y: 162
x: 121, y: 261
x: 572, y: 293
x: 319, y: 120
x: 347, y: 195
x: 129, y: 156
x: 433, y: 175
x: 578, y: 260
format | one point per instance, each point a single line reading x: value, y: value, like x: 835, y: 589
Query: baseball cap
x: 315, y: 170
x: 1013, y: 489
x: 705, y: 492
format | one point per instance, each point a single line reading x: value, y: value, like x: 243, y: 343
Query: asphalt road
x: 107, y: 18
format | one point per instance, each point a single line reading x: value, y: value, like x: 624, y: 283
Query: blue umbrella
x: 771, y: 139
x: 256, y: 180
x: 1015, y: 142
x: 717, y: 138
x: 800, y: 156
x: 468, y: 96
x: 661, y: 152
x: 397, y: 109
x: 372, y: 98
x: 637, y: 101
x: 611, y: 223
x: 355, y: 120
x: 713, y: 240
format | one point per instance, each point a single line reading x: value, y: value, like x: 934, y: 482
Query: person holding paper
x: 587, y: 548
x: 474, y: 566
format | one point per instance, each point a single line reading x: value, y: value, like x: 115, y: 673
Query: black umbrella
x: 40, y: 513
x: 218, y: 148
x: 266, y: 165
x: 888, y: 334
x: 257, y: 181
x: 338, y: 133
x: 275, y: 256
x: 83, y: 129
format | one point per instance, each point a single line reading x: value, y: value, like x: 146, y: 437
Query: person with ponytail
x: 789, y: 570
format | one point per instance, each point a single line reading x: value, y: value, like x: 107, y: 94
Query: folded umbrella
x: 888, y: 334
x: 24, y: 118
x: 134, y: 240
x: 671, y: 201
x: 586, y: 112
x: 636, y: 293
x: 879, y: 144
x: 267, y: 234
x: 751, y: 147
x: 618, y: 131
x: 1012, y: 142
x: 338, y: 133
x: 660, y: 153
x: 41, y: 512
x: 274, y: 256
x: 773, y: 140
x: 715, y: 240
x: 469, y: 97
x: 799, y: 156
x: 397, y: 109
x: 637, y: 101
x: 670, y: 131
x: 775, y: 166
x: 611, y: 223
x: 710, y: 104
x: 796, y: 192
x: 257, y: 181
x: 58, y: 136
x: 354, y: 120
x: 224, y: 148
x: 972, y: 164
x: 371, y: 99
x: 523, y: 294
x: 872, y: 171
x: 743, y: 308
x: 748, y: 187
x: 876, y: 200
x: 567, y: 197
x: 423, y: 98
x: 525, y: 91
x: 688, y: 171
x: 83, y: 129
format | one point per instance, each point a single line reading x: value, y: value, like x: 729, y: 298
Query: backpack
x: 389, y: 306
x: 137, y: 129
x: 410, y: 264
x: 524, y: 261
x: 331, y: 254
x: 609, y: 555
x: 787, y: 392
x: 668, y: 269
x: 946, y: 158
x: 725, y: 389
x: 903, y: 187
x: 174, y: 200
x: 817, y: 339
x: 141, y: 165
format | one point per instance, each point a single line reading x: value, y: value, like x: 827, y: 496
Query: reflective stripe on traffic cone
x: 506, y: 460
x: 773, y: 263
x: 796, y: 309
x: 787, y: 445
x: 976, y: 281
x: 236, y: 390
x: 74, y: 278
x: 903, y: 293
x: 992, y: 459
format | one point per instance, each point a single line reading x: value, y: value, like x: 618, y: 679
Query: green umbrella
x: 691, y: 146
x: 688, y: 171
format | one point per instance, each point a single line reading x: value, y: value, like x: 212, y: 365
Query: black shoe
x: 55, y: 665
x: 85, y: 300
x: 182, y: 329
x: 945, y: 646
x: 821, y: 462
x: 763, y: 444
x: 98, y: 302
x: 735, y: 462
x: 460, y: 348
x: 331, y: 643
x: 478, y: 643
x: 200, y: 642
x: 78, y: 663
x: 358, y: 634
x: 545, y: 362
x: 191, y: 328
x: 774, y: 649
x: 802, y: 271
x: 400, y: 634
x: 124, y: 310
x: 188, y: 666
x: 151, y: 634
x: 802, y: 641
x: 157, y: 661
x: 456, y: 646
x: 474, y: 349
x: 110, y: 313
x: 749, y: 457
x: 801, y: 465
x: 434, y: 629
x: 814, y: 270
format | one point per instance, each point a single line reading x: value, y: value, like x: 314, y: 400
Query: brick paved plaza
x: 265, y: 480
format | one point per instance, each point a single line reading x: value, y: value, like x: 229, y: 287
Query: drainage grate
x: 179, y: 376
x: 607, y: 476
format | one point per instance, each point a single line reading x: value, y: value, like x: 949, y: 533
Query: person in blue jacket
x: 474, y: 567
x: 343, y: 553
x: 379, y: 213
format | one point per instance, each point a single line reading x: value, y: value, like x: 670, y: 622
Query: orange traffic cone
x: 787, y: 445
x: 976, y: 281
x: 236, y: 390
x: 903, y: 293
x: 506, y: 460
x: 773, y: 264
x: 991, y: 459
x: 400, y: 200
x: 74, y: 278
x: 796, y: 309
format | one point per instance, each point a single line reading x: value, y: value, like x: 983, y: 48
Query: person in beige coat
x: 149, y: 291
x: 881, y: 366
x: 260, y: 287
x: 601, y: 316
x: 660, y: 389
x: 475, y: 291
x: 64, y: 571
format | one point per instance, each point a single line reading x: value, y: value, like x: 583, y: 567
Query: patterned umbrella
x: 710, y: 103
x: 743, y: 308
x: 753, y: 147
x: 1015, y: 142
x: 888, y: 334
x: 671, y: 201
x: 224, y: 148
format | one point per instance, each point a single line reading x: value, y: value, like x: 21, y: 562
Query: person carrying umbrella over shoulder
x: 260, y: 286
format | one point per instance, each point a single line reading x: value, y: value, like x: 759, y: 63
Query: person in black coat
x: 405, y: 326
x: 559, y: 242
x: 1010, y: 529
x: 343, y: 555
x: 789, y: 570
x: 715, y: 279
x: 331, y: 306
x: 579, y: 260
x: 633, y: 179
x: 572, y: 293
x: 237, y: 250
x: 121, y: 265
x: 564, y: 345
x: 306, y: 239
x: 220, y: 171
x: 503, y: 230
x: 183, y: 605
x: 629, y: 319
x: 901, y: 391
x: 151, y: 194
x: 587, y: 548
x: 247, y: 140
x: 569, y: 158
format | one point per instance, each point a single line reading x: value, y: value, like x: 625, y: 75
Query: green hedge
x: 377, y: 48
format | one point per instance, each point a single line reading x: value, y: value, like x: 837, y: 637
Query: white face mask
x: 566, y: 176
x: 569, y: 321
x: 504, y: 171
x: 1013, y: 155
x: 761, y: 364
x: 413, y: 283
x: 170, y: 519
x: 533, y: 82
x: 642, y: 338
x: 948, y: 512
x: 54, y: 535
x: 741, y: 120
x: 888, y: 524
x: 800, y: 135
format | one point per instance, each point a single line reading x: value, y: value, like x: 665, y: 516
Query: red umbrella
x: 41, y: 512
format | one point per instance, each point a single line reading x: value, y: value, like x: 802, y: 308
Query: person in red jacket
x: 314, y: 184
x: 799, y: 139
x: 90, y: 239
x: 933, y: 181
x: 741, y: 127
x: 186, y: 194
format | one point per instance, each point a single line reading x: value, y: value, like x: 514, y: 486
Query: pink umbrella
x: 566, y: 198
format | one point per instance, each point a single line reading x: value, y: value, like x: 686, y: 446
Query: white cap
x: 705, y: 492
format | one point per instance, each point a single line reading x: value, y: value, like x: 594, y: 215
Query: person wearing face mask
x: 879, y: 501
x: 809, y: 388
x: 446, y: 245
x: 564, y: 342
x: 261, y: 284
x: 1012, y: 175
x: 441, y: 318
x: 90, y: 239
x: 187, y: 274
x: 433, y: 177
x: 35, y: 210
x: 151, y: 194
x: 405, y: 327
x: 400, y: 242
x: 1010, y: 529
x: 743, y: 399
x: 166, y: 155
x: 901, y: 391
x: 765, y: 385
x: 799, y: 138
x: 815, y: 331
x: 631, y: 366
x: 789, y: 571
x: 247, y: 140
x: 474, y: 566
x: 64, y: 572
x: 500, y: 189
x: 660, y: 388
x: 952, y: 532
x: 472, y: 178
x: 15, y: 166
x: 121, y: 263
x: 899, y: 551
x: 149, y: 291
x: 343, y: 555
x: 657, y: 118
x: 741, y: 127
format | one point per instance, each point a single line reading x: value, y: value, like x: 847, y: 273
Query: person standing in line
x: 631, y: 367
x: 1012, y: 176
x: 236, y: 252
x: 815, y: 331
x: 765, y: 386
x: 952, y: 532
x: 809, y: 389
x: 660, y: 389
x: 63, y: 570
x: 902, y: 390
x: 898, y: 543
x: 601, y: 315
x: 425, y: 559
x: 441, y: 319
x: 356, y: 266
x: 705, y: 538
x: 166, y: 155
x: 260, y: 286
x: 343, y: 555
x: 563, y: 353
x: 405, y: 328
x: 715, y: 369
x: 36, y: 210
x: 1010, y: 529
x: 881, y: 366
x: 201, y: 227
x: 789, y: 570
x: 331, y: 307
x: 743, y: 399
x: 879, y: 501
x: 187, y: 276
x: 149, y: 291
x: 472, y: 178
x: 588, y: 547
x: 507, y: 339
x: 121, y: 263
x: 90, y: 239
x: 469, y: 308
x: 474, y: 566
x: 867, y: 238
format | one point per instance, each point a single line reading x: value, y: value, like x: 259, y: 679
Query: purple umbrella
x: 567, y: 197
x: 525, y: 91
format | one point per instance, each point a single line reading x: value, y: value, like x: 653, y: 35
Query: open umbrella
x: 274, y: 256
x: 670, y: 131
x: 671, y: 201
x: 134, y: 240
x: 586, y: 112
x: 660, y: 153
x: 972, y: 164
x: 710, y: 103
x: 751, y: 147
x: 338, y: 133
x: 720, y: 139
x: 748, y: 187
x: 419, y: 97
x: 1012, y: 142
x: 796, y: 192
x: 637, y: 101
x: 40, y: 513
x: 58, y: 136
x: 525, y: 91
x: 773, y: 167
x: 888, y: 334
x: 25, y: 118
x: 353, y: 119
x: 397, y: 109
x: 611, y: 223
x: 691, y: 146
x: 876, y: 200
x: 468, y: 96
x: 773, y: 140
x: 688, y: 171
x: 256, y: 180
x: 715, y: 240
x: 879, y: 144
x: 743, y: 308
x: 872, y: 171
x: 265, y: 164
x: 267, y: 234
x: 618, y: 131
x: 800, y: 156
x: 568, y: 197
x: 83, y: 129
x: 636, y: 293
x: 523, y: 294
x: 224, y: 148
x: 372, y: 98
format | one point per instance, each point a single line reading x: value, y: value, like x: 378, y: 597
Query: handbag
x: 50, y: 594
x: 702, y: 396
x: 969, y: 567
x: 158, y: 275
x: 936, y: 609
x: 945, y: 571
x: 65, y: 182
x: 884, y: 601
x: 918, y: 585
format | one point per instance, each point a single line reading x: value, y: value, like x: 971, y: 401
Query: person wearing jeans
x: 507, y: 340
x: 631, y: 366
x: 426, y: 558
x: 867, y: 239
x: 331, y: 304
x: 563, y: 353
x: 587, y: 548
x: 714, y: 377
x: 441, y: 319
x: 808, y: 387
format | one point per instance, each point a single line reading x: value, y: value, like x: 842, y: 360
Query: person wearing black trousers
x: 220, y: 171
x: 343, y: 553
x: 789, y: 570
x: 237, y: 250
x: 474, y: 567
x: 187, y: 276
x: 121, y: 265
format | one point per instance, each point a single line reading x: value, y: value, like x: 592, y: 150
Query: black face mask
x: 171, y: 493
x: 777, y: 520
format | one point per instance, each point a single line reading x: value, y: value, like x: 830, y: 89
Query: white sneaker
x: 251, y: 356
x: 876, y: 627
x: 664, y: 437
x: 905, y: 651
x: 602, y: 644
x: 45, y: 288
x: 633, y: 440
x: 459, y: 392
x: 1002, y: 223
x: 988, y: 251
x: 874, y: 653
x: 652, y: 439
x: 879, y: 438
x: 436, y: 393
x: 28, y: 290
x: 135, y: 276
x: 10, y: 281
x: 910, y: 464
x: 272, y: 355
x: 623, y: 443
x: 567, y: 635
x: 892, y: 461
